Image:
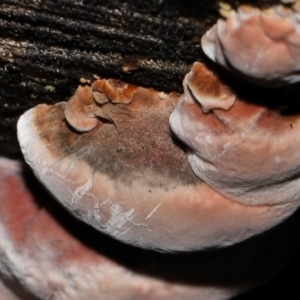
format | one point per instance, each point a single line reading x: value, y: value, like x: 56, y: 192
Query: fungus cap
x: 260, y: 45
x: 86, y: 105
x: 61, y: 263
x: 128, y: 178
x: 204, y: 86
x: 48, y: 254
x: 249, y: 153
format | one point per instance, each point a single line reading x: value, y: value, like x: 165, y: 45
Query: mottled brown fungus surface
x: 128, y: 141
x: 129, y: 178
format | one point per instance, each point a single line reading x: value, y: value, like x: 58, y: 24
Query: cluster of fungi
x: 164, y: 173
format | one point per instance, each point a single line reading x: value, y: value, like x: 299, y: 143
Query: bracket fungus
x: 246, y: 146
x: 127, y: 177
x: 167, y: 172
x: 243, y: 137
x: 48, y: 254
x: 261, y: 45
x: 82, y: 110
x: 249, y: 153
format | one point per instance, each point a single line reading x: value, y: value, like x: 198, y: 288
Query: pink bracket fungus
x: 260, y: 45
x: 246, y: 148
x: 110, y: 157
x: 249, y: 153
x: 48, y: 254
x: 128, y: 178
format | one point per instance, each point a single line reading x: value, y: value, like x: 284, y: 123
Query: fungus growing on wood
x: 249, y: 153
x: 48, y: 254
x: 128, y: 178
x: 85, y: 106
x: 261, y: 45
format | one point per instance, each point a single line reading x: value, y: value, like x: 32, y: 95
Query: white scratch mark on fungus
x: 153, y: 211
x: 117, y: 220
x: 118, y: 217
x: 81, y: 191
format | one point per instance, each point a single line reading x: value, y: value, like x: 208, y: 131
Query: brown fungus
x: 130, y: 179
